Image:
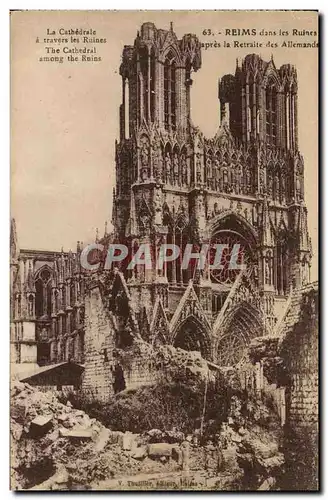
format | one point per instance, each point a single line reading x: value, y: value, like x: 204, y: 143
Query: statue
x: 184, y: 169
x: 158, y: 167
x: 198, y: 169
x: 158, y: 207
x: 262, y: 179
x: 167, y: 167
x: 144, y: 160
x: 216, y: 171
x: 176, y: 168
x: 209, y: 172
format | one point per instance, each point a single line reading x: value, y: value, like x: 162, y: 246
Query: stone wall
x: 140, y: 373
x: 300, y: 353
x: 98, y: 376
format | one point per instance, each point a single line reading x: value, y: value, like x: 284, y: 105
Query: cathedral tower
x: 244, y: 186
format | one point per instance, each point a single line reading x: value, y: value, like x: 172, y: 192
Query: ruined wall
x: 300, y: 352
x: 98, y: 376
x: 141, y: 372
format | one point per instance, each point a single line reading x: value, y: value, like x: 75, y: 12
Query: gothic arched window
x: 271, y: 114
x: 39, y: 298
x: 169, y: 93
x: 43, y: 293
x: 281, y: 267
x: 31, y: 306
x: 143, y: 60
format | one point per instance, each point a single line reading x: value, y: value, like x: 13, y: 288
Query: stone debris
x: 268, y: 484
x: 57, y: 482
x: 103, y: 439
x: 41, y: 421
x: 169, y: 436
x: 74, y: 451
x: 140, y: 453
x: 158, y: 450
x: 79, y: 434
x: 75, y: 443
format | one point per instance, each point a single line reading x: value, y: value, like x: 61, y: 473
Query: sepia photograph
x: 164, y: 300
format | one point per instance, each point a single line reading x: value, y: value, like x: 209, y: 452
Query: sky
x: 64, y: 117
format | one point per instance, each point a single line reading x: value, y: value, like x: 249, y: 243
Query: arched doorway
x: 191, y: 336
x: 243, y: 323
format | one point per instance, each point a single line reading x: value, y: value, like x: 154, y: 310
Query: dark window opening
x: 271, y: 118
x: 169, y: 94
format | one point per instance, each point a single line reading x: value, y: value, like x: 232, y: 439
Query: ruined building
x: 173, y: 185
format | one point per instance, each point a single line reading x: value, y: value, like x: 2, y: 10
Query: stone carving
x: 168, y: 168
x: 176, y: 168
x: 144, y: 159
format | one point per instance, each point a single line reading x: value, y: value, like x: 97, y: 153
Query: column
x: 295, y: 121
x: 292, y: 121
x: 287, y: 121
x: 126, y: 98
x: 243, y: 115
x: 148, y: 85
x: 123, y: 104
x: 254, y: 127
x: 248, y: 124
x: 174, y: 276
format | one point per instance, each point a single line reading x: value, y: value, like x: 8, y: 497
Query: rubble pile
x: 179, y: 365
x: 268, y: 351
x: 253, y: 437
x: 57, y: 447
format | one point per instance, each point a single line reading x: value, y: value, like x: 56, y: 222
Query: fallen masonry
x: 74, y: 451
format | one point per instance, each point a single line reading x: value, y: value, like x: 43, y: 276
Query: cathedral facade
x: 244, y: 186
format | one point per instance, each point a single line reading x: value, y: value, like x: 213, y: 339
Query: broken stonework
x: 158, y: 450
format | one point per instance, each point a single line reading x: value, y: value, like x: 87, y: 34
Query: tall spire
x: 29, y: 283
x: 14, y: 250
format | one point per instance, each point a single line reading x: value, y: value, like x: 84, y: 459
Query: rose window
x: 231, y: 349
x: 240, y: 254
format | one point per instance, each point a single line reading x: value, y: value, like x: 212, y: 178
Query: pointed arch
x: 242, y: 323
x: 43, y: 291
x: 170, y: 65
x: 159, y: 326
x: 189, y: 305
x: 238, y: 235
x: 192, y: 336
x: 227, y: 219
x: 271, y: 105
x: 170, y: 52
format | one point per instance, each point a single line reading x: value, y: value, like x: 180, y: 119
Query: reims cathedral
x: 243, y: 186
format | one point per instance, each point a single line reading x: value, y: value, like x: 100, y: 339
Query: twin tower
x: 245, y: 185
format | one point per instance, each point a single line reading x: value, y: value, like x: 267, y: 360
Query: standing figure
x: 198, y: 169
x: 167, y: 168
x: 184, y: 170
x: 176, y: 168
x: 216, y: 173
x: 144, y: 160
x: 209, y: 172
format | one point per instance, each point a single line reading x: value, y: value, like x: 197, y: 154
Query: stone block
x: 40, y: 425
x: 77, y: 434
x: 158, y: 450
x: 103, y: 439
x: 139, y: 453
